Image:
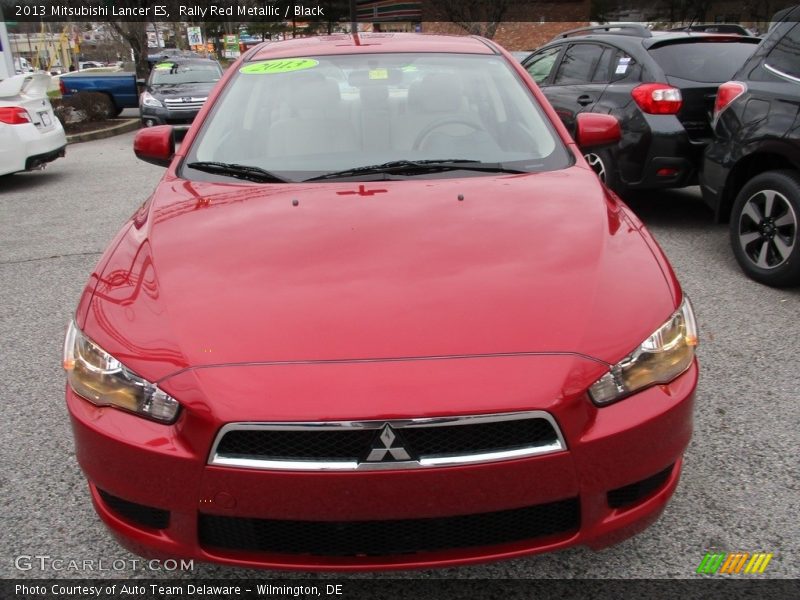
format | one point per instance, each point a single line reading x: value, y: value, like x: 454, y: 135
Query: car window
x: 602, y: 74
x: 171, y: 73
x: 304, y: 117
x: 541, y: 64
x: 624, y: 68
x: 784, y: 56
x: 579, y: 64
x: 706, y: 62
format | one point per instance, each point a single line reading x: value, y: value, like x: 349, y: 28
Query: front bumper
x: 619, y: 448
x: 151, y: 116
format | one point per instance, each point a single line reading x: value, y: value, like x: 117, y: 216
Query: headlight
x: 101, y: 379
x: 659, y: 359
x: 149, y: 100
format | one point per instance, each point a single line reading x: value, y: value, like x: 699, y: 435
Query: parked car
x: 119, y: 87
x: 379, y: 313
x: 21, y: 66
x: 89, y: 64
x: 30, y: 134
x: 55, y: 80
x: 165, y: 54
x: 751, y: 173
x: 661, y: 87
x: 176, y: 91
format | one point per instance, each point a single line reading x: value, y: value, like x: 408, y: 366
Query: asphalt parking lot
x: 739, y: 490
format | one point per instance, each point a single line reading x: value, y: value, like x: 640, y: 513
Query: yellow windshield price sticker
x: 379, y: 74
x: 164, y: 66
x: 280, y: 65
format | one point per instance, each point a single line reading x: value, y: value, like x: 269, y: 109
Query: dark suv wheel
x: 764, y: 228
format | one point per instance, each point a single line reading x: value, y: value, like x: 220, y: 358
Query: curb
x: 124, y: 127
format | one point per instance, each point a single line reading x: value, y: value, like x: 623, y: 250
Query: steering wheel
x: 434, y: 125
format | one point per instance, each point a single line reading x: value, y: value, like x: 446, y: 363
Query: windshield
x: 300, y: 118
x: 171, y: 73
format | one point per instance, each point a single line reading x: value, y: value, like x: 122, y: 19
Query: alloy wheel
x: 597, y: 164
x: 767, y: 229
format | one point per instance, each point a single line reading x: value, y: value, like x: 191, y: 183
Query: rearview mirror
x: 597, y: 130
x: 155, y: 145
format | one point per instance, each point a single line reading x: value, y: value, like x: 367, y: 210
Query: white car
x: 30, y: 133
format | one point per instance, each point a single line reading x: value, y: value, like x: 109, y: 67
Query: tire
x: 764, y: 228
x: 104, y: 107
x: 603, y: 163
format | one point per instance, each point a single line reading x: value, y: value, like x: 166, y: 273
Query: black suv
x: 751, y: 173
x: 660, y: 85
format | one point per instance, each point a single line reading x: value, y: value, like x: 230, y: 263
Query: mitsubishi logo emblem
x: 383, y: 447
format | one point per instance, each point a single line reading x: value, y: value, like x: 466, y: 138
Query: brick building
x: 525, y: 25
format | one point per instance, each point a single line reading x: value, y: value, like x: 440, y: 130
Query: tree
x: 686, y: 11
x: 135, y: 35
x: 477, y: 17
x: 762, y: 11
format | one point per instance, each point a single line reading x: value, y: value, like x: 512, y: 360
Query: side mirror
x: 155, y: 145
x: 597, y: 130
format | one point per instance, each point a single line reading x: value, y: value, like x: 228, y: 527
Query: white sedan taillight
x: 14, y: 115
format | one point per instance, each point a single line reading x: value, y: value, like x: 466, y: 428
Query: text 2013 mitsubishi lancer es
x: 379, y: 313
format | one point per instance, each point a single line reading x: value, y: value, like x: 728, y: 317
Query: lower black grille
x: 386, y: 538
x: 633, y: 493
x: 139, y: 514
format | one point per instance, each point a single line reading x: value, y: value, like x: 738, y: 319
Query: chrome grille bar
x: 219, y: 457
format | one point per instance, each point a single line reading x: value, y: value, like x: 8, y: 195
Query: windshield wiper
x: 247, y: 172
x: 416, y: 167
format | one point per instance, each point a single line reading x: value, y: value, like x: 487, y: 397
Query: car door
x: 776, y: 85
x: 579, y: 80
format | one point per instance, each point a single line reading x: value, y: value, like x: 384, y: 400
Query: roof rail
x: 631, y: 29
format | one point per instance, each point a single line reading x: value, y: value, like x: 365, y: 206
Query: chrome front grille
x: 184, y: 104
x: 393, y: 444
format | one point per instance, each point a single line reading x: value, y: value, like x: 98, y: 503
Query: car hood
x: 220, y: 274
x: 180, y: 90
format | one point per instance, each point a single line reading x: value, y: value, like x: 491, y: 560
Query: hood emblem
x: 362, y: 191
x: 386, y: 445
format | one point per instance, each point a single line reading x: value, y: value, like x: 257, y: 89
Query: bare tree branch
x: 478, y: 17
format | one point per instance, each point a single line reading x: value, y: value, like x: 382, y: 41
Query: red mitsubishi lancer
x: 379, y: 313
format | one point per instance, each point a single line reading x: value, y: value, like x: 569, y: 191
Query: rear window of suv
x: 705, y: 62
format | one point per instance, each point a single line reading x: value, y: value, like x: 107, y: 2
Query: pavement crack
x: 41, y: 258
